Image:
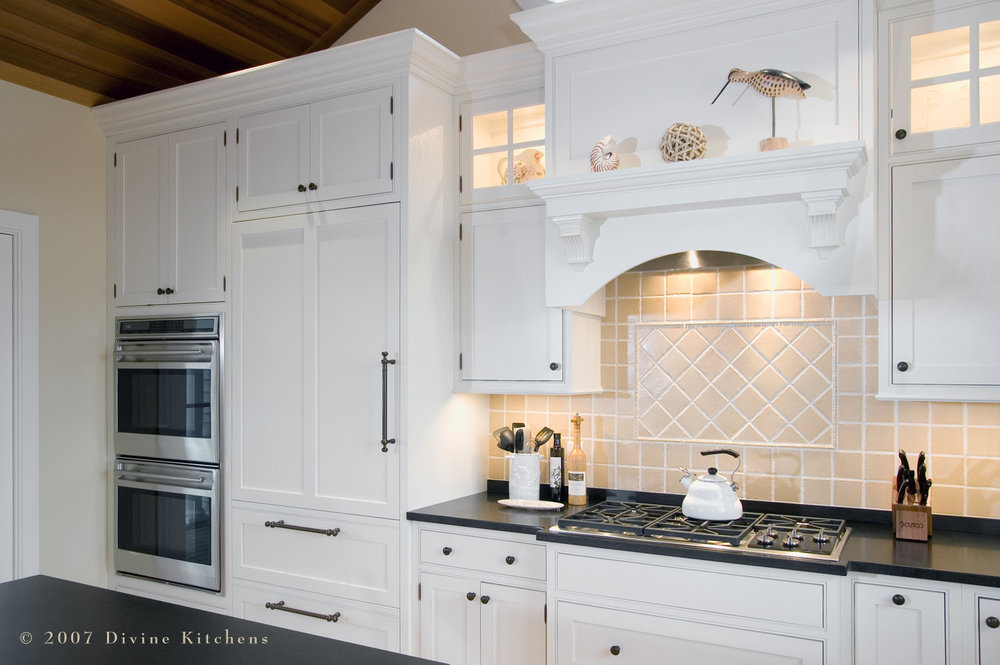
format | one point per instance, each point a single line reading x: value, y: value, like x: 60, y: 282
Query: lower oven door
x: 167, y: 522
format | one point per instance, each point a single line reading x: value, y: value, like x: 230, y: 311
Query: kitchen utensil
x: 542, y: 437
x: 923, y: 482
x: 710, y: 496
x: 505, y: 439
x: 522, y: 437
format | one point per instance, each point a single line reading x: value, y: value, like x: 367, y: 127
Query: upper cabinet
x: 503, y: 146
x: 939, y: 187
x: 331, y: 149
x: 945, y: 78
x: 167, y: 218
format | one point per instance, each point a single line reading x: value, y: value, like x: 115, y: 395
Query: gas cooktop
x: 762, y: 533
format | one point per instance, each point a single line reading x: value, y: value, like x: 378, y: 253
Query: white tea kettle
x: 710, y: 496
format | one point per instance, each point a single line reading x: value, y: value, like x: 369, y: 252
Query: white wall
x: 52, y: 165
x: 462, y: 26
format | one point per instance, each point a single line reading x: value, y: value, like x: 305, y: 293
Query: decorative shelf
x: 818, y: 176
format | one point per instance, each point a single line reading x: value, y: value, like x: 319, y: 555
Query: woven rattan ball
x: 682, y: 143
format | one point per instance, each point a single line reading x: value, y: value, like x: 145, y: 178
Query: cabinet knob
x: 302, y: 188
x: 160, y: 292
x: 900, y: 134
x: 902, y: 365
x: 615, y: 650
x: 553, y: 366
x: 484, y: 599
x: 898, y: 599
x: 446, y: 550
x: 168, y: 290
x: 510, y: 560
x: 470, y: 595
x: 993, y: 622
x: 312, y: 186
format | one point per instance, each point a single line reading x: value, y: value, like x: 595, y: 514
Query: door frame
x: 24, y: 229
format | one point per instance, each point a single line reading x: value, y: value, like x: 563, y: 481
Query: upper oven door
x: 167, y: 400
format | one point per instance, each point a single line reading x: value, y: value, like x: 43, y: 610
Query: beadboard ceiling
x: 97, y: 51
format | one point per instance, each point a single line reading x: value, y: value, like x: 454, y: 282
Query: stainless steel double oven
x: 167, y: 484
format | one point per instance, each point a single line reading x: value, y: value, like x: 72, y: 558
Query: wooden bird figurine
x: 771, y: 83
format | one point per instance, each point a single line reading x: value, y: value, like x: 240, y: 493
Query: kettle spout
x: 686, y: 478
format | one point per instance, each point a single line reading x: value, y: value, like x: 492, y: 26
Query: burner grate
x: 678, y: 526
x: 626, y: 517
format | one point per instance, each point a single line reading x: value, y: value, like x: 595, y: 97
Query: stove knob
x: 791, y: 542
x: 765, y: 540
x: 821, y: 537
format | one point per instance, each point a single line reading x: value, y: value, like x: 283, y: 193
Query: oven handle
x: 140, y: 355
x: 141, y: 476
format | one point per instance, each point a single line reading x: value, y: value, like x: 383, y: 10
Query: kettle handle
x: 733, y: 453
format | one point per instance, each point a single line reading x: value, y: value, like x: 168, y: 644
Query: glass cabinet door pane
x: 490, y: 169
x: 989, y: 99
x: 989, y: 44
x: 489, y: 130
x: 529, y: 164
x: 941, y: 106
x: 529, y: 124
x: 939, y: 53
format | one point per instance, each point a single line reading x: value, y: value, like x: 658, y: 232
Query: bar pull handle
x: 280, y: 605
x: 385, y: 401
x: 280, y: 524
x: 141, y: 476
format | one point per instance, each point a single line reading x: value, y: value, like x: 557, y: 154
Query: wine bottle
x: 556, y: 467
x: 576, y: 467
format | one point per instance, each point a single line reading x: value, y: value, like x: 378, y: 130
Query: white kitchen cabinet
x: 331, y: 149
x: 899, y: 625
x: 509, y: 340
x: 988, y: 631
x: 168, y: 218
x: 939, y: 183
x: 589, y: 634
x: 945, y: 76
x: 315, y: 305
x: 610, y: 606
x: 326, y: 616
x: 481, y: 597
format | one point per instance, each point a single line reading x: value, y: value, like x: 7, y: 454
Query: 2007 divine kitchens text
x: 113, y: 637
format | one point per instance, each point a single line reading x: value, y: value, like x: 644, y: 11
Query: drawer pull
x: 510, y: 560
x: 280, y: 524
x: 446, y: 550
x: 898, y: 599
x: 280, y: 605
x: 471, y: 595
x: 992, y: 622
x: 615, y: 650
x: 484, y: 599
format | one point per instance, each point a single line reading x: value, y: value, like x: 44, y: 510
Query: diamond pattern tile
x: 735, y: 382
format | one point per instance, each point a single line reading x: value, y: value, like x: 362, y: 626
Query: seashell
x: 602, y: 159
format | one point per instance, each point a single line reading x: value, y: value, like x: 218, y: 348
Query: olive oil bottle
x: 576, y: 467
x: 556, y: 467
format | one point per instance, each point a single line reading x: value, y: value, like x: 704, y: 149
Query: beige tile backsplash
x: 962, y: 440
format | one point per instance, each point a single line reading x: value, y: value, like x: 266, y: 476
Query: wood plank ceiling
x: 97, y: 51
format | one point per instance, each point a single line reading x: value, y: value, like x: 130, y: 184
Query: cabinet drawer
x: 588, y: 635
x: 355, y: 622
x: 360, y: 562
x: 989, y: 633
x: 485, y: 555
x: 720, y: 592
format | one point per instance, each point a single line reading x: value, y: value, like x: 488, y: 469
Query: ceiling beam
x: 353, y: 15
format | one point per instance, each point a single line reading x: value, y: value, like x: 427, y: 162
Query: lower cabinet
x: 481, y: 597
x: 988, y: 631
x: 899, y: 624
x: 327, y: 616
x: 591, y: 634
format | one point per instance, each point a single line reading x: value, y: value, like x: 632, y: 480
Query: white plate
x: 530, y: 504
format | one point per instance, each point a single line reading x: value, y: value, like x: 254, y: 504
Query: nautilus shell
x: 603, y: 159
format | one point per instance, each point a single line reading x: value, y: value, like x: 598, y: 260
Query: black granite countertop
x: 961, y: 550
x: 49, y: 621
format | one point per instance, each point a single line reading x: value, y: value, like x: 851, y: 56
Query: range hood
x: 805, y: 209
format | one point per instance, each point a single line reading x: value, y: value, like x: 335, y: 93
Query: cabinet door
x: 946, y: 78
x: 587, y: 635
x: 506, y: 331
x: 989, y: 631
x: 944, y: 300
x: 140, y: 204
x: 512, y: 624
x: 316, y: 302
x: 351, y: 143
x: 195, y: 223
x: 898, y: 626
x: 449, y: 619
x: 273, y: 168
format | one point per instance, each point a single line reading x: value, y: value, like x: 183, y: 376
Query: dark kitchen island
x: 49, y: 621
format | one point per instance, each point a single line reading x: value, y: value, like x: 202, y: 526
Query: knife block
x: 910, y: 521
